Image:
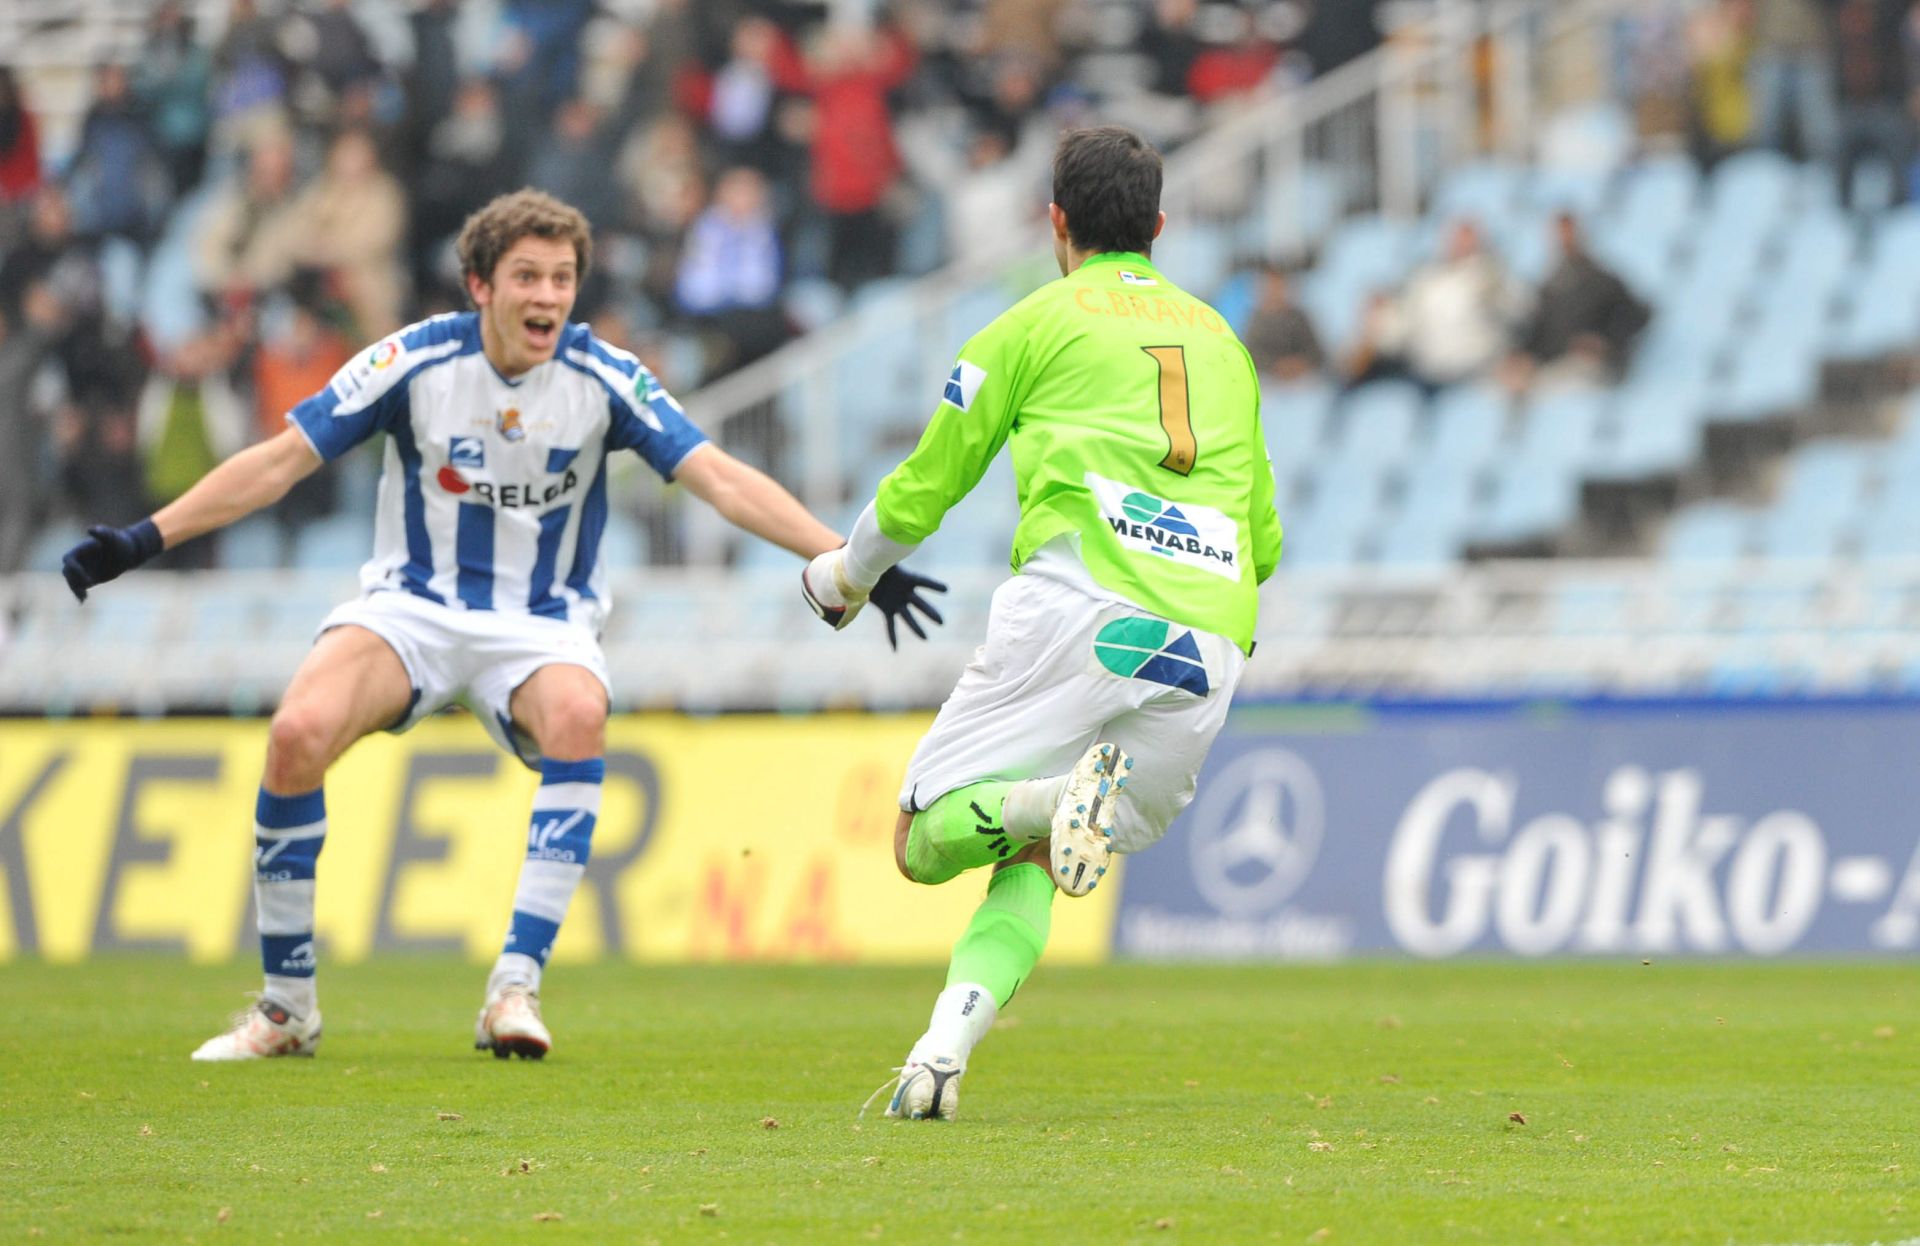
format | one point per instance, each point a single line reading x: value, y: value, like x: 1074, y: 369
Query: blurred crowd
x: 1462, y: 317
x: 245, y: 206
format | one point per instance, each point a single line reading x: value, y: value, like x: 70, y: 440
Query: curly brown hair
x: 490, y: 232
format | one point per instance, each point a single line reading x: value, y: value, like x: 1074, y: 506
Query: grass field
x: 1378, y: 1102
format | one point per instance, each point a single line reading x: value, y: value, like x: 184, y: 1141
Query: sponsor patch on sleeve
x: 964, y: 384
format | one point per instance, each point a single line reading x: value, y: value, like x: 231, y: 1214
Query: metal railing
x: 715, y: 640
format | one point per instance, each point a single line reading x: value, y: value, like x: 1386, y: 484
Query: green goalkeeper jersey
x: 1133, y: 415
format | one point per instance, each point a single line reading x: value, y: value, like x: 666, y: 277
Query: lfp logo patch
x: 1136, y: 279
x: 1139, y: 649
x: 383, y: 355
x: 467, y: 452
x: 964, y: 384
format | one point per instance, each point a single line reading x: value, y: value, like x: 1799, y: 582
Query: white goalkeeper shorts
x: 474, y: 657
x: 1061, y: 670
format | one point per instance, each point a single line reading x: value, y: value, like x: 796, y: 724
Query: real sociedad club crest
x: 508, y: 422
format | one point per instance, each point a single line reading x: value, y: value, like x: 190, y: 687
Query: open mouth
x: 541, y: 331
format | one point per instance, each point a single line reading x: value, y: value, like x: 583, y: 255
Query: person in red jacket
x: 855, y: 163
x: 19, y: 143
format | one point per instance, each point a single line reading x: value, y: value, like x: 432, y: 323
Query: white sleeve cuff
x: 870, y: 551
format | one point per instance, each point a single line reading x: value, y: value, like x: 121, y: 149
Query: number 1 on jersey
x: 1176, y: 417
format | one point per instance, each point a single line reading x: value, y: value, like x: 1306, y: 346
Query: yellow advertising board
x: 731, y: 838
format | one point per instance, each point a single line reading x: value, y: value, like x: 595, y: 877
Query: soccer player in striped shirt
x: 1147, y: 525
x: 486, y: 584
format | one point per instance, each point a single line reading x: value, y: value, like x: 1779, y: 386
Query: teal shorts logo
x: 1138, y: 648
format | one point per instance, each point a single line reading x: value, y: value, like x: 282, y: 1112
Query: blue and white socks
x: 288, y: 832
x: 565, y: 808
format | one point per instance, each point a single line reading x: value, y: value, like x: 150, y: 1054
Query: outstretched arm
x: 753, y: 501
x: 257, y: 476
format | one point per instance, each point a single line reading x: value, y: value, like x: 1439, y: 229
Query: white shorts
x: 1048, y: 683
x: 475, y: 657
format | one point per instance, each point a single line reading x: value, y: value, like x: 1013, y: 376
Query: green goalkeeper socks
x: 1004, y: 940
x: 959, y: 832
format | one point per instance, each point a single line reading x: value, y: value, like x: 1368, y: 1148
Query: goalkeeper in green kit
x: 1147, y: 525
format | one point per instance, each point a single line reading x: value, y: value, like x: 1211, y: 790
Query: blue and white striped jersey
x: 494, y: 493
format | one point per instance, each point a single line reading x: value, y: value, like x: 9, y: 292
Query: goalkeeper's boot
x: 925, y: 1090
x: 265, y: 1030
x: 1082, y: 838
x: 510, y: 1024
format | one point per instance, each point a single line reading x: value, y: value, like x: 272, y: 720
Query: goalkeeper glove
x: 109, y: 553
x: 824, y: 583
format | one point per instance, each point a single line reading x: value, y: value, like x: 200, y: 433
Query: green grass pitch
x: 1373, y: 1102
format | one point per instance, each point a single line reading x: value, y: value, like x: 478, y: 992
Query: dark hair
x: 490, y: 232
x: 1107, y: 181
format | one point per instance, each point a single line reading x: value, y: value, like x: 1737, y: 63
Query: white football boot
x: 510, y: 1024
x: 261, y: 1032
x: 1082, y: 835
x: 924, y: 1090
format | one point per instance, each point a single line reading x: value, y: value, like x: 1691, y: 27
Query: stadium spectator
x: 297, y: 355
x: 1457, y: 313
x: 1719, y: 44
x: 1280, y: 335
x: 847, y: 76
x: 465, y: 161
x: 251, y: 77
x: 26, y: 343
x: 333, y: 46
x: 172, y: 81
x: 1376, y: 354
x: 571, y: 163
x: 1584, y: 319
x: 118, y: 178
x: 1338, y: 31
x: 190, y: 416
x: 744, y: 93
x: 19, y: 143
x: 1233, y: 61
x: 1790, y: 79
x: 1170, y: 45
x: 1871, y: 70
x: 730, y: 272
x: 349, y: 223
x: 249, y: 239
x: 52, y: 253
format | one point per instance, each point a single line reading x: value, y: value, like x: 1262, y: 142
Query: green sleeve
x: 966, y: 431
x: 1264, y: 522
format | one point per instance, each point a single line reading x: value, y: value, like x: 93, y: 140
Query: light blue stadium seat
x: 1294, y: 419
x: 51, y: 545
x: 1811, y: 536
x: 1828, y: 479
x: 1469, y: 423
x: 1709, y: 532
x: 1576, y: 189
x: 1880, y: 314
x: 1658, y: 193
x: 332, y: 543
x: 1894, y: 244
x: 1196, y: 256
x: 624, y: 543
x: 1345, y: 497
x: 1294, y: 214
x: 1404, y: 543
x: 1562, y: 428
x: 1487, y: 191
x: 1752, y: 190
x: 1365, y: 254
x: 1530, y: 499
x: 1379, y: 422
x: 1772, y: 375
x: 254, y: 543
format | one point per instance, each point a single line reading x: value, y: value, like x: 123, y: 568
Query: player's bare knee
x: 576, y: 727
x: 902, y: 828
x: 300, y: 746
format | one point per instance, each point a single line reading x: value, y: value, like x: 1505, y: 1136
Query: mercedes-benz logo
x: 1256, y: 832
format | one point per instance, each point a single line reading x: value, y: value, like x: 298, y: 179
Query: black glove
x: 109, y: 553
x: 898, y: 595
